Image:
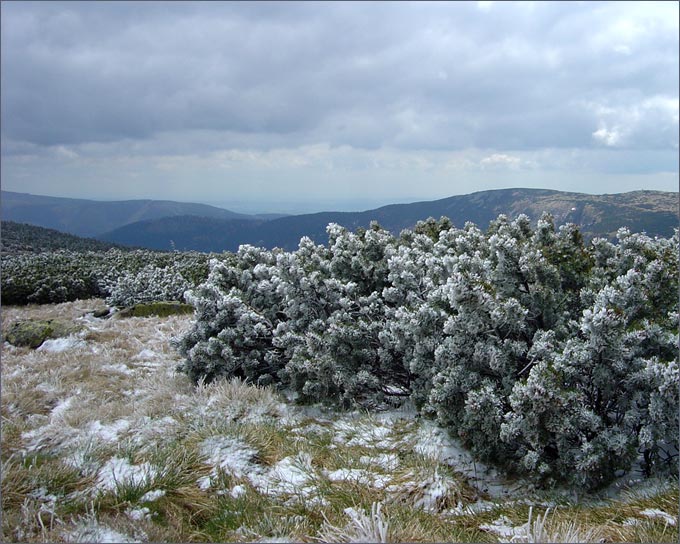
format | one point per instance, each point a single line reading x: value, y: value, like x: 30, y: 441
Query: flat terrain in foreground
x: 102, y: 441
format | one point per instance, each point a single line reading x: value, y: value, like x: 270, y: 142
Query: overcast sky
x: 306, y: 106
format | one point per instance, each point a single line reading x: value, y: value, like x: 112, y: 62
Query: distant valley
x: 169, y: 225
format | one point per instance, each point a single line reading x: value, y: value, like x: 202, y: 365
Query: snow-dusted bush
x: 544, y: 354
x: 149, y: 284
x: 126, y: 276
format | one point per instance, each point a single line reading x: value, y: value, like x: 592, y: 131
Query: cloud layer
x: 483, y: 87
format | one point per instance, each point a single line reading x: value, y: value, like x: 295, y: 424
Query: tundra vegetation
x: 448, y: 385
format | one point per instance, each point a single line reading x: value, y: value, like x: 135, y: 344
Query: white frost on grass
x: 152, y: 495
x: 291, y: 475
x: 229, y: 454
x: 504, y: 528
x: 119, y: 368
x: 108, y: 433
x: 146, y: 355
x: 92, y: 531
x: 385, y: 461
x: 61, y: 407
x: 237, y: 491
x: 655, y: 513
x: 59, y: 345
x: 117, y: 471
x: 360, y: 476
x: 363, y: 434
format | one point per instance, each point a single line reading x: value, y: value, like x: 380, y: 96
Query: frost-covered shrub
x: 61, y: 276
x: 150, y: 284
x: 543, y: 354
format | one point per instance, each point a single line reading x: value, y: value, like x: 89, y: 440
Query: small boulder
x: 160, y: 309
x: 33, y: 333
x: 101, y: 313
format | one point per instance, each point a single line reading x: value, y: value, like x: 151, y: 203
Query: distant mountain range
x: 205, y: 228
x: 92, y: 218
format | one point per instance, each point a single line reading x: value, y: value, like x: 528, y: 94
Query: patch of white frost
x: 503, y: 528
x: 61, y: 407
x: 119, y: 368
x: 237, y: 491
x: 58, y: 345
x: 230, y: 454
x: 146, y: 354
x: 433, y: 442
x: 289, y: 475
x: 108, y: 433
x: 654, y: 513
x: 152, y: 495
x: 359, y: 476
x: 94, y: 532
x: 385, y: 461
x: 117, y: 471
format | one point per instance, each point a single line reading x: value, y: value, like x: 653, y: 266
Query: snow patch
x: 237, y: 491
x: 108, y: 433
x: 93, y: 532
x: 119, y: 368
x: 654, y: 513
x: 503, y: 528
x: 385, y: 461
x: 61, y: 407
x: 153, y: 495
x: 58, y: 345
x: 230, y: 454
x: 359, y: 476
x: 139, y: 514
x: 434, y: 443
x: 145, y: 354
x: 117, y: 471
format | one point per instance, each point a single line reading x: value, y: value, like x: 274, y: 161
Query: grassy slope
x: 105, y: 440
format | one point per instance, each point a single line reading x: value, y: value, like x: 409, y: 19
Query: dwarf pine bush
x: 544, y: 354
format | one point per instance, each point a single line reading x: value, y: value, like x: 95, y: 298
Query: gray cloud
x: 308, y: 91
x: 408, y: 75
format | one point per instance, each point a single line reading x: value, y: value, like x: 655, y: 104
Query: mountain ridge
x: 655, y: 212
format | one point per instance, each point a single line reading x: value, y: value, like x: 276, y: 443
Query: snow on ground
x: 435, y: 443
x: 118, y: 472
x: 654, y: 513
x: 91, y: 531
x: 58, y: 345
x: 504, y: 528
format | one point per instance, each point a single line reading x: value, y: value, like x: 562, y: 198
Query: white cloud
x: 501, y: 160
x: 609, y: 137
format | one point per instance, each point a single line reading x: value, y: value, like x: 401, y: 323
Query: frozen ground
x: 107, y: 407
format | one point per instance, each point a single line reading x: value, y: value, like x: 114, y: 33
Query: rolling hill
x: 654, y: 212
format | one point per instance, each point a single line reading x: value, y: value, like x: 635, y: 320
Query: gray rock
x: 33, y: 333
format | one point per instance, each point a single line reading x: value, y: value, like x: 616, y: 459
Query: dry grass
x: 106, y: 440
